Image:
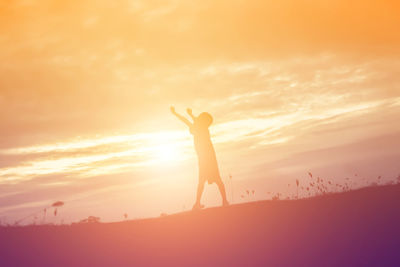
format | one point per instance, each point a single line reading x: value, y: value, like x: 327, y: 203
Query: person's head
x: 205, y: 119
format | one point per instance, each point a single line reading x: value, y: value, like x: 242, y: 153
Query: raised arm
x: 183, y: 119
x: 189, y: 111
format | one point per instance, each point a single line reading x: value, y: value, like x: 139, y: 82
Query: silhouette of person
x: 208, y: 166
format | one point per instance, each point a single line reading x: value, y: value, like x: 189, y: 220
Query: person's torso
x: 202, y: 140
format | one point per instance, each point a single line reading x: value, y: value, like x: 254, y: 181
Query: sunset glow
x: 85, y: 92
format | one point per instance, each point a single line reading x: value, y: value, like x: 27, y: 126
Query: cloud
x: 258, y: 102
x: 85, y: 89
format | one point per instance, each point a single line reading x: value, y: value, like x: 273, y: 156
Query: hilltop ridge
x: 356, y: 228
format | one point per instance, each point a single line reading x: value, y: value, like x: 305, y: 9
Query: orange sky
x: 294, y: 86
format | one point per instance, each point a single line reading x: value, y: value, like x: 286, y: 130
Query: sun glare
x: 167, y: 147
x: 167, y: 153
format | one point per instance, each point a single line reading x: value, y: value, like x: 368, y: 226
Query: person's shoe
x: 225, y: 203
x: 197, y: 206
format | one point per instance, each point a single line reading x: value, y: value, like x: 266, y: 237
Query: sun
x: 167, y: 153
x: 167, y: 147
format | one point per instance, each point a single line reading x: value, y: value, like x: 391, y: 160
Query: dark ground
x: 357, y: 228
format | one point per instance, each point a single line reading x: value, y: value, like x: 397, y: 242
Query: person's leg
x: 221, y: 188
x: 200, y: 188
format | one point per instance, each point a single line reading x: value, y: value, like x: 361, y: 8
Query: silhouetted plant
x: 249, y: 193
x: 276, y: 197
x: 90, y: 219
x: 230, y: 178
x: 56, y: 205
x: 34, y: 215
x: 44, y: 214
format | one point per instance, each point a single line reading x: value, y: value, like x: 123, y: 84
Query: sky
x: 293, y: 86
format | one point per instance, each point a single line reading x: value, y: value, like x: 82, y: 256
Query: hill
x: 357, y: 228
